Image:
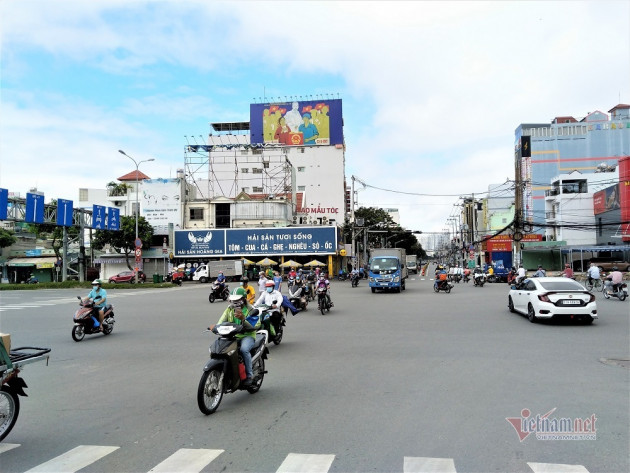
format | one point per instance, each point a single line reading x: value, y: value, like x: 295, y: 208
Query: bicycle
x: 595, y: 283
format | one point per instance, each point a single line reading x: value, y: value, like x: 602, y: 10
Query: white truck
x: 388, y: 269
x: 412, y: 264
x: 210, y: 270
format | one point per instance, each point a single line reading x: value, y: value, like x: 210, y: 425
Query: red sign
x: 138, y: 254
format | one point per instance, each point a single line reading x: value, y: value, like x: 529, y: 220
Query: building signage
x: 499, y: 243
x: 4, y: 203
x: 605, y: 200
x: 256, y: 242
x: 297, y: 123
x: 161, y: 203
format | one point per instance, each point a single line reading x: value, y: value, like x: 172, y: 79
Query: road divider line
x: 74, y: 460
x: 428, y: 465
x: 5, y: 447
x: 306, y: 463
x: 556, y: 468
x: 187, y: 460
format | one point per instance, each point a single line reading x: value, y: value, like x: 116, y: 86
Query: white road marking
x: 428, y: 465
x: 303, y: 463
x: 5, y: 447
x: 187, y: 460
x: 74, y: 460
x: 556, y: 468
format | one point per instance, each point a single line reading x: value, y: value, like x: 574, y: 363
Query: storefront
x: 42, y: 268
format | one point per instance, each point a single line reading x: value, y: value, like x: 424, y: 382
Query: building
x: 566, y: 145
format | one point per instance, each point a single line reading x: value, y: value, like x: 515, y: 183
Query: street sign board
x: 98, y: 217
x: 4, y: 203
x: 34, y: 208
x: 138, y: 243
x: 113, y: 218
x: 64, y: 212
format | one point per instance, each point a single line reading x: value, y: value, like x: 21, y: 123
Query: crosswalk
x: 194, y: 460
x: 4, y: 306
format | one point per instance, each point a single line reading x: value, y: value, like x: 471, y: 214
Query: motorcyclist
x: 616, y: 278
x: 323, y: 282
x: 220, y: 280
x: 568, y: 272
x: 270, y: 297
x: 292, y: 273
x: 520, y: 274
x: 540, y: 273
x: 249, y: 290
x: 593, y: 273
x: 440, y: 276
x: 239, y: 311
x: 477, y: 271
x: 99, y: 296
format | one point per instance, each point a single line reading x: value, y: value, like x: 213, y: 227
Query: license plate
x: 571, y: 302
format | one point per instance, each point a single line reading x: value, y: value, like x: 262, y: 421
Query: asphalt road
x: 380, y: 384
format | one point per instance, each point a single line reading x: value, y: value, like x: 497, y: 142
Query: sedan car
x: 127, y: 277
x: 547, y: 298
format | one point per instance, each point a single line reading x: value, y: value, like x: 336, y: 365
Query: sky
x: 432, y: 91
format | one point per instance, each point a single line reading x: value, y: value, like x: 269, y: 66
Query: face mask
x: 270, y: 289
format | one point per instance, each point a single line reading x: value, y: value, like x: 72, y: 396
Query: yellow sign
x: 342, y: 252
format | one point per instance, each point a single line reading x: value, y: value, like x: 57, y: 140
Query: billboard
x: 605, y: 200
x: 298, y: 123
x: 256, y: 242
x: 161, y: 203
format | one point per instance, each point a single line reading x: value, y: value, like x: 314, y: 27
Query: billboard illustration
x: 297, y: 123
x: 607, y: 199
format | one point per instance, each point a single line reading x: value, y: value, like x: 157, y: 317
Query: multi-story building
x: 566, y: 145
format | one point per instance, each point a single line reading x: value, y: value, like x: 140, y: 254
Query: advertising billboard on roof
x: 297, y: 123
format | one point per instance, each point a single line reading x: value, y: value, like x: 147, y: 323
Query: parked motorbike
x: 217, y: 293
x: 620, y: 291
x: 273, y: 321
x: 12, y: 385
x: 354, y: 279
x: 297, y: 296
x: 224, y: 372
x: 85, y: 319
x: 322, y: 301
x: 443, y: 285
x: 479, y: 279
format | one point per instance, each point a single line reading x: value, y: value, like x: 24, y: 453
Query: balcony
x: 552, y: 192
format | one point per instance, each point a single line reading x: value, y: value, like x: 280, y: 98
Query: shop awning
x: 43, y: 262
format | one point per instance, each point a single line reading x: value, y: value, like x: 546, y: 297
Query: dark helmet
x: 245, y: 280
x: 615, y: 268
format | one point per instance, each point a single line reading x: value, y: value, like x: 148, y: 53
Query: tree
x: 7, y: 238
x: 123, y: 240
x: 115, y: 189
x: 50, y: 231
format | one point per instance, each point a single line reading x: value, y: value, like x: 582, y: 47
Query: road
x: 385, y: 382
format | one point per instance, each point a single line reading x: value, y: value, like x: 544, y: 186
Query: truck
x: 232, y: 269
x: 412, y: 264
x: 388, y: 269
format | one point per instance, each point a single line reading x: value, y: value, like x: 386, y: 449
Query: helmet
x: 322, y: 277
x: 270, y: 284
x: 237, y: 294
x: 614, y: 268
x: 245, y: 280
x: 96, y: 282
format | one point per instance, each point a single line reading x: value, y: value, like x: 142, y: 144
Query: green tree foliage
x: 7, y: 238
x: 115, y: 188
x: 123, y: 241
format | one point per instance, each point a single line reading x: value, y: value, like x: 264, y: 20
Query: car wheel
x: 531, y: 314
x: 510, y: 304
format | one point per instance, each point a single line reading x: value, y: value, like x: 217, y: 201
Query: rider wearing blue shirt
x: 99, y: 296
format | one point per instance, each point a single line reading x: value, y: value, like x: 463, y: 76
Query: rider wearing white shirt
x: 592, y: 273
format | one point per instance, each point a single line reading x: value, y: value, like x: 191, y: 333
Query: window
x: 245, y: 170
x: 196, y: 214
x: 301, y: 188
x: 83, y: 195
x: 266, y: 164
x: 257, y: 171
x: 301, y: 168
x: 244, y: 189
x: 257, y: 189
x: 257, y: 151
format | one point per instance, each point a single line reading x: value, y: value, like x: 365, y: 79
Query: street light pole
x: 137, y: 163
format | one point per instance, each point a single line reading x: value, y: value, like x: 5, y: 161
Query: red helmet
x: 270, y: 284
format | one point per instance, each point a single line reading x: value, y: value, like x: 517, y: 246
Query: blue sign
x: 113, y: 218
x: 256, y: 241
x: 64, y: 212
x: 98, y: 217
x: 34, y: 208
x: 4, y: 203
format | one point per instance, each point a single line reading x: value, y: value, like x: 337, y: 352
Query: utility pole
x: 354, y: 243
x: 523, y: 151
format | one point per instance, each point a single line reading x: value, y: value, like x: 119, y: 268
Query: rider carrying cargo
x: 240, y: 312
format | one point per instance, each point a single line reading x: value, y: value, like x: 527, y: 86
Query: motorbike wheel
x: 211, y: 298
x: 210, y: 391
x: 9, y: 410
x: 108, y: 328
x: 259, y: 374
x: 606, y: 293
x: 322, y: 307
x: 447, y: 289
x: 225, y: 295
x: 435, y: 288
x: 278, y: 338
x: 78, y: 333
x: 622, y: 296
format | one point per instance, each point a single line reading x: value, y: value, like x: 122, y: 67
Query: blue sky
x: 432, y: 91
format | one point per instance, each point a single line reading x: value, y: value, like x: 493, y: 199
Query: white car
x: 546, y: 298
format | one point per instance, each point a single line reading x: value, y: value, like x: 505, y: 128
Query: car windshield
x: 568, y: 285
x: 384, y: 264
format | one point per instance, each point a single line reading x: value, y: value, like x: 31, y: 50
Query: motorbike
x: 175, y: 277
x: 620, y: 291
x: 297, y: 296
x: 443, y: 285
x: 466, y: 278
x: 217, y: 293
x: 342, y: 276
x: 273, y: 321
x: 309, y: 290
x: 85, y: 319
x: 455, y: 277
x: 511, y: 277
x: 11, y: 384
x: 479, y: 279
x: 224, y: 372
x: 322, y: 301
x: 354, y: 279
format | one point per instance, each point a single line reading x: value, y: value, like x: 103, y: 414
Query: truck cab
x: 387, y: 271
